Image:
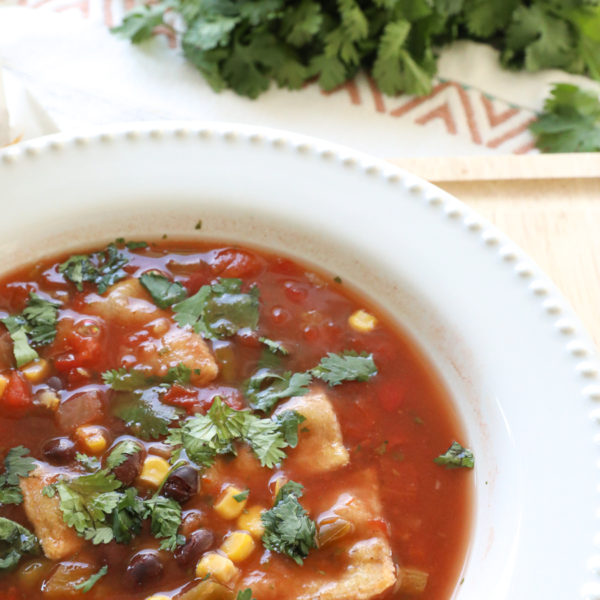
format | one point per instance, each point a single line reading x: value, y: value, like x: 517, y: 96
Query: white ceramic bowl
x: 521, y: 370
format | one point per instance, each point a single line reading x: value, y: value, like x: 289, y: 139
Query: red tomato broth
x: 398, y: 421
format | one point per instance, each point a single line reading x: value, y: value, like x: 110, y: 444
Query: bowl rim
x: 575, y: 340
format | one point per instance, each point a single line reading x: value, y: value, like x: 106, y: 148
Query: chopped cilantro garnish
x: 205, y: 436
x: 86, y: 503
x: 129, y: 380
x: 102, y: 268
x: 198, y: 225
x: 273, y: 346
x: 288, y: 528
x: 165, y: 519
x: 267, y: 387
x: 88, y: 584
x: 164, y: 292
x: 17, y: 464
x: 337, y: 279
x: 348, y: 366
x: 288, y: 422
x: 245, y: 595
x: 144, y: 414
x: 241, y: 496
x: 456, y: 456
x: 121, y: 452
x: 89, y: 463
x: 15, y: 541
x: 220, y: 310
x: 99, y: 511
x: 36, y: 325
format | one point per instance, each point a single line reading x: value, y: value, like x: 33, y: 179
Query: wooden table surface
x: 548, y: 204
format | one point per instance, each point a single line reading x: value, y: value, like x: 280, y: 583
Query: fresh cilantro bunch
x: 246, y: 44
x: 570, y: 121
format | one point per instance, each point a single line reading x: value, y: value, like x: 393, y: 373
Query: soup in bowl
x: 245, y: 364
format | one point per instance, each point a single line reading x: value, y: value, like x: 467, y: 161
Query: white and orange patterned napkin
x: 62, y: 51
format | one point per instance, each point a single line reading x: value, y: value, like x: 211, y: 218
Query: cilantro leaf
x: 88, y: 584
x: 121, y: 452
x: 288, y: 528
x: 41, y: 315
x: 15, y: 541
x: 89, y: 463
x: 205, y: 436
x: 165, y: 519
x: 102, y: 268
x: 220, y: 310
x: 267, y: 387
x: 456, y: 456
x: 86, y: 503
x: 22, y: 351
x: 17, y: 464
x: 288, y: 422
x: 570, y: 122
x: 241, y: 496
x: 273, y: 346
x: 245, y: 595
x: 35, y: 325
x: 348, y: 366
x: 164, y: 292
x: 126, y: 519
x: 138, y: 25
x: 130, y: 380
x: 144, y: 414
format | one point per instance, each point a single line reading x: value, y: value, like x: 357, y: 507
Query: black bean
x: 130, y: 468
x: 195, y: 545
x: 54, y: 383
x: 182, y: 484
x: 59, y: 451
x: 144, y: 568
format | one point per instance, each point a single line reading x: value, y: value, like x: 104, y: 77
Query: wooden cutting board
x: 548, y: 204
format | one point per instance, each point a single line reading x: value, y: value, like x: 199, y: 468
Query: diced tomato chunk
x: 199, y: 401
x: 182, y: 397
x: 17, y: 398
x: 236, y: 263
x: 84, y: 346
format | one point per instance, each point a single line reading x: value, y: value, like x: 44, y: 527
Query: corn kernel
x: 154, y: 471
x: 227, y: 506
x: 3, y: 384
x: 92, y: 438
x: 218, y: 566
x: 36, y: 370
x: 362, y: 321
x: 251, y: 522
x: 238, y: 545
